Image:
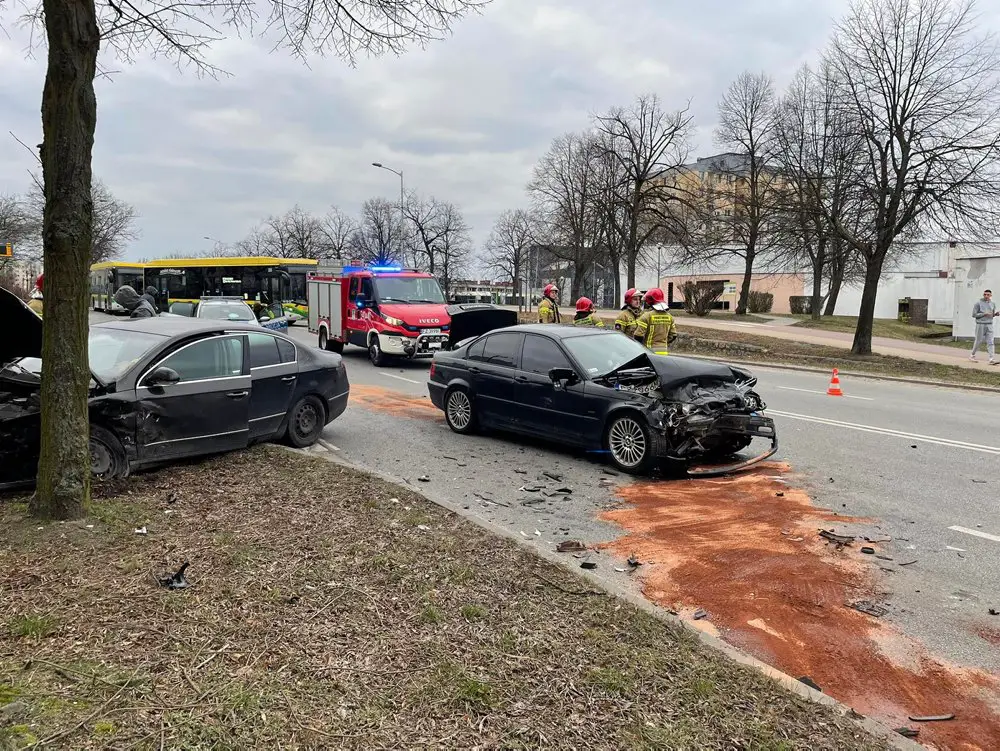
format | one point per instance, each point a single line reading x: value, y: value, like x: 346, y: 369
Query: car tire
x: 629, y: 444
x: 324, y: 340
x: 306, y: 421
x: 107, y: 455
x: 459, y: 411
x: 375, y: 353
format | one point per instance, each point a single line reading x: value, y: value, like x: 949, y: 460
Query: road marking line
x: 976, y: 533
x: 400, y: 378
x: 889, y: 432
x: 823, y: 393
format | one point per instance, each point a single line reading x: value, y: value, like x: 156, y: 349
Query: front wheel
x: 628, y: 442
x: 375, y: 353
x: 459, y: 412
x: 305, y: 422
x: 107, y: 455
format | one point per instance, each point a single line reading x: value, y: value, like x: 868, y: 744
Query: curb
x: 871, y: 726
x: 852, y: 374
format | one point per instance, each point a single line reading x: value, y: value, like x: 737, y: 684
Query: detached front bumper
x: 726, y: 430
x: 423, y: 345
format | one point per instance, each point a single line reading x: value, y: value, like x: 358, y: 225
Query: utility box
x: 913, y: 310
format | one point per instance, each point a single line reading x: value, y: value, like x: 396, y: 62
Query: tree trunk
x: 819, y: 261
x: 630, y: 269
x: 69, y: 117
x: 741, y: 305
x: 836, y: 282
x: 866, y: 316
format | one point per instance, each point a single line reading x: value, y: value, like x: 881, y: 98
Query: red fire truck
x: 389, y: 310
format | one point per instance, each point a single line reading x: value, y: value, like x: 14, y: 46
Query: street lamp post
x: 402, y: 217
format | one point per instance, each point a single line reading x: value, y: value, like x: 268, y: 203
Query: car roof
x: 176, y: 326
x: 557, y: 331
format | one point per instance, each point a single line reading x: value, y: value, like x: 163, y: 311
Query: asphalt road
x: 923, y: 463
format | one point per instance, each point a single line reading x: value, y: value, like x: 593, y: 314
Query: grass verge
x: 320, y: 614
x: 932, y: 333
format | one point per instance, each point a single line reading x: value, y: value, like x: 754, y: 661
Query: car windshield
x: 600, y: 354
x: 229, y: 311
x: 114, y: 351
x: 408, y: 289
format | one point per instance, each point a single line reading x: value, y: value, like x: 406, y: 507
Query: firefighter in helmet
x: 35, y: 303
x: 548, y: 309
x: 631, y: 310
x: 655, y: 328
x: 585, y: 314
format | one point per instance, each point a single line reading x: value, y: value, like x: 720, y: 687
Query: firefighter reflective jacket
x: 626, y: 321
x: 589, y: 320
x: 548, y: 311
x: 656, y: 330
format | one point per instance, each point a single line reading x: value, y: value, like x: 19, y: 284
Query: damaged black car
x: 168, y: 388
x: 600, y: 391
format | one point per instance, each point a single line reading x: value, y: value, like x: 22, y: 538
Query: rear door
x: 207, y: 411
x: 492, y: 374
x: 549, y: 409
x: 273, y: 373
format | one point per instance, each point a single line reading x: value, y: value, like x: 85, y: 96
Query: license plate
x: 432, y: 331
x: 433, y: 345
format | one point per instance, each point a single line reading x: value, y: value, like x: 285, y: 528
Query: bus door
x: 271, y: 283
x: 161, y: 280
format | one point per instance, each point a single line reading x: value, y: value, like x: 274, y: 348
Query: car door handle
x: 288, y: 378
x: 237, y: 394
x: 474, y: 370
x: 521, y: 379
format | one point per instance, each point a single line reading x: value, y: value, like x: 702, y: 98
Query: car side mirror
x: 163, y: 376
x: 563, y: 376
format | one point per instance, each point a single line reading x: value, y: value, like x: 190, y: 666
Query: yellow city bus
x: 107, y: 277
x: 189, y: 279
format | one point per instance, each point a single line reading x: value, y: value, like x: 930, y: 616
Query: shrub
x: 760, y: 302
x: 700, y: 297
x: 800, y: 304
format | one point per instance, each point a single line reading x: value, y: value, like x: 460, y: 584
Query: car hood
x: 674, y: 371
x: 422, y: 315
x: 22, y: 329
x: 473, y: 319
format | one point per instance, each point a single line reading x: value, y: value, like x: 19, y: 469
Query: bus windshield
x: 408, y: 289
x: 131, y: 277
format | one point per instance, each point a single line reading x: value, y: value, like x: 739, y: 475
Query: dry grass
x: 932, y: 333
x: 321, y: 615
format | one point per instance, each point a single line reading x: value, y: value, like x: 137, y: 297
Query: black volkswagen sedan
x: 167, y: 388
x: 601, y: 391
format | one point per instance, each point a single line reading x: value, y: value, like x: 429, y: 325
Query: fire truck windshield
x: 408, y: 289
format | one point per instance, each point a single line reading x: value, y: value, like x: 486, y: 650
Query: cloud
x: 464, y: 119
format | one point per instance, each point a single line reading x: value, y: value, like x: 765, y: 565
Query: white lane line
x: 886, y: 431
x: 976, y: 533
x: 400, y: 378
x: 823, y: 393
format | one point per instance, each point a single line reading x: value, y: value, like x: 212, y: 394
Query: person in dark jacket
x: 150, y: 296
x: 137, y: 306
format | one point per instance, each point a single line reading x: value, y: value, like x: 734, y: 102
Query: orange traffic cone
x: 834, y: 389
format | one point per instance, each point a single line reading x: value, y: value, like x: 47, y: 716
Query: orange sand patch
x: 731, y: 546
x: 395, y: 403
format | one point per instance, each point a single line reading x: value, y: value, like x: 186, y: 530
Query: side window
x: 540, y: 355
x: 263, y: 350
x: 367, y: 288
x: 476, y: 350
x: 502, y: 349
x: 353, y: 289
x: 218, y: 357
x: 286, y: 350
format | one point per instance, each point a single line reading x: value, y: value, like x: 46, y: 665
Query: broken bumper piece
x: 753, y: 426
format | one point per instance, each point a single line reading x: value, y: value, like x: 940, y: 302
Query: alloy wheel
x: 627, y: 442
x: 459, y: 410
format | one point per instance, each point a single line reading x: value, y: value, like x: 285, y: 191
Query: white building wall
x: 972, y: 276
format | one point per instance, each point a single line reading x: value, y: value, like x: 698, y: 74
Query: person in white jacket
x: 984, y: 311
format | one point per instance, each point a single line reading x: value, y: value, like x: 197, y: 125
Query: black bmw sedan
x: 167, y: 388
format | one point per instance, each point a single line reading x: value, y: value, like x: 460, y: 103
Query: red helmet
x: 654, y: 296
x: 632, y: 292
x: 39, y: 280
x: 584, y: 305
x: 549, y: 289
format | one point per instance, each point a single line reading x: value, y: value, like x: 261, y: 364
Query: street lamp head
x: 377, y: 164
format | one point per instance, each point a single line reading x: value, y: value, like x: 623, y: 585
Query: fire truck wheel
x: 323, y: 341
x: 328, y: 345
x: 305, y: 422
x: 375, y: 353
x: 459, y: 411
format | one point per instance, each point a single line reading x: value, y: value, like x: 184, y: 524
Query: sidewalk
x: 783, y: 329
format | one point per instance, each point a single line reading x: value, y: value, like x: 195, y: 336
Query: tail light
x: 432, y: 369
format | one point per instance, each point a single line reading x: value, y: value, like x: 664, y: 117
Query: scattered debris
x: 883, y: 558
x: 551, y: 476
x: 786, y: 532
x: 177, y: 579
x: 570, y: 546
x: 883, y: 538
x: 980, y: 482
x: 619, y: 570
x: 959, y: 550
x: 868, y: 551
x: 913, y: 445
x: 809, y: 682
x: 907, y: 732
x: 530, y: 488
x: 933, y: 718
x: 634, y: 562
x: 588, y: 565
x: 140, y: 531
x: 525, y: 535
x: 840, y: 540
x: 423, y: 478
x: 532, y: 501
x: 869, y: 608
x: 171, y: 497
x: 780, y: 494
x: 537, y: 533
x: 423, y: 528
x: 700, y: 614
x: 994, y: 611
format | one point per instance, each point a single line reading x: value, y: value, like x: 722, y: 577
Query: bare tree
x: 747, y: 181
x: 18, y: 226
x: 294, y: 234
x: 425, y: 218
x: 645, y: 145
x: 453, y: 247
x: 377, y: 238
x: 74, y: 32
x: 920, y: 84
x: 508, y: 247
x: 336, y: 229
x: 259, y: 242
x: 565, y: 188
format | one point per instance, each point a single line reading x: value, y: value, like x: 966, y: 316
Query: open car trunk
x: 469, y: 320
x: 22, y: 329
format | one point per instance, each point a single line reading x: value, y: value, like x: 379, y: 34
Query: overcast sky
x: 464, y: 119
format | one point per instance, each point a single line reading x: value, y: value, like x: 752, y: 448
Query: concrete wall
x: 972, y: 276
